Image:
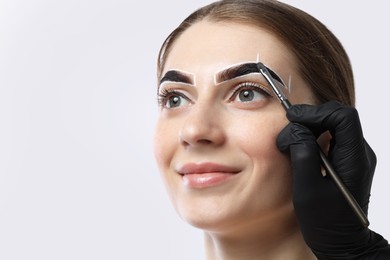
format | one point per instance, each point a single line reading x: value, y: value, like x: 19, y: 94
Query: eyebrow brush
x: 269, y: 75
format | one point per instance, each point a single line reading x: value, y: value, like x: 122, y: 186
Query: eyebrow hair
x: 241, y: 70
x: 177, y: 76
x: 236, y: 71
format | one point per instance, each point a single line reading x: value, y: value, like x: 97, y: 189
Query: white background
x: 77, y: 111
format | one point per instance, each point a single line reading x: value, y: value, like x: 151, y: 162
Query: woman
x: 233, y: 164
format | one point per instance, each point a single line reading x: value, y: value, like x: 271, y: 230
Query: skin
x: 249, y: 215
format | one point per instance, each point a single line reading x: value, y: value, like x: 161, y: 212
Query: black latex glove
x: 329, y: 226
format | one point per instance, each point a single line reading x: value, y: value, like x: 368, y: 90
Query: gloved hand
x: 328, y: 224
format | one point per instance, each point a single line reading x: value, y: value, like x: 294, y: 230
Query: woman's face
x: 216, y: 133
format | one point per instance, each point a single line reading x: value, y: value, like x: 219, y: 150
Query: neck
x: 280, y: 240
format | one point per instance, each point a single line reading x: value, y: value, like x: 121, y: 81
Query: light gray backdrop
x: 77, y: 111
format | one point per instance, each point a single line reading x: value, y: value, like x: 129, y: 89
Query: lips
x: 205, y: 175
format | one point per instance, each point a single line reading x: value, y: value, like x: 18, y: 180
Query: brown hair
x: 322, y: 60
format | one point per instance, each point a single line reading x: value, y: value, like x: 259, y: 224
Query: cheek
x: 257, y: 137
x: 258, y: 141
x: 269, y: 180
x: 163, y: 145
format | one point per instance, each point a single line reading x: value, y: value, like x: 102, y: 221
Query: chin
x: 210, y: 216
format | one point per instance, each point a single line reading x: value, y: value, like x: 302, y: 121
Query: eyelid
x: 255, y: 78
x: 170, y: 85
x: 250, y: 85
x: 173, y: 84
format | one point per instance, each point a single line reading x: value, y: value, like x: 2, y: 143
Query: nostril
x: 204, y: 141
x: 198, y: 142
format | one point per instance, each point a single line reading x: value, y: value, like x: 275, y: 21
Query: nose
x: 203, y: 126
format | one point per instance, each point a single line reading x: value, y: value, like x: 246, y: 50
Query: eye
x: 249, y: 92
x: 172, y: 99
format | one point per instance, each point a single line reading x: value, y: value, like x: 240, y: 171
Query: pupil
x: 246, y: 95
x: 175, y: 101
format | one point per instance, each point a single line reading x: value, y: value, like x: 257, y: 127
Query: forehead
x: 210, y: 46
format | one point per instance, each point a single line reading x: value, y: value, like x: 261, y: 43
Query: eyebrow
x: 241, y: 70
x: 177, y: 76
x: 236, y: 71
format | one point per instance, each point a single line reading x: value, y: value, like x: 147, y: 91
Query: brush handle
x: 343, y: 189
x: 285, y: 103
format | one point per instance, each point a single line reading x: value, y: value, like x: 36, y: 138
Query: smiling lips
x: 205, y: 175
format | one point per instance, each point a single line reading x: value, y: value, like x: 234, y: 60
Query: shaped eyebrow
x: 236, y: 71
x: 241, y: 70
x: 177, y: 76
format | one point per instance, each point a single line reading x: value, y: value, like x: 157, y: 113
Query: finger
x: 313, y: 116
x: 310, y: 188
x: 347, y: 150
x: 342, y: 121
